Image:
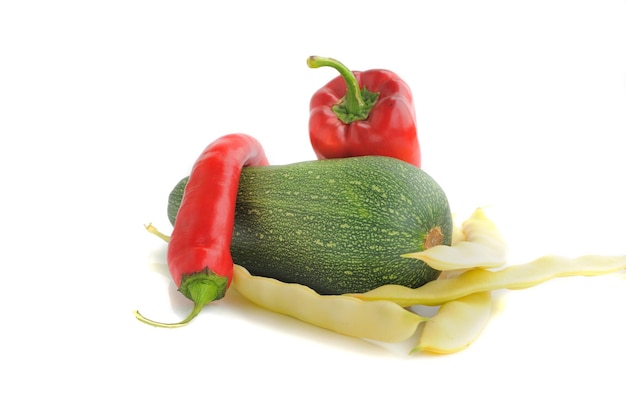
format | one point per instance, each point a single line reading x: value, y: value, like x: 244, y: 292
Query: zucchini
x: 337, y: 225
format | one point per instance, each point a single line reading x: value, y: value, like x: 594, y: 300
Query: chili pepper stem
x: 194, y: 312
x: 357, y: 103
x: 201, y: 288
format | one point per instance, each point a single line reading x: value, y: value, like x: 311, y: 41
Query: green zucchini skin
x: 337, y: 225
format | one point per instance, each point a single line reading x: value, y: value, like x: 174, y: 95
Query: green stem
x: 353, y: 99
x: 357, y: 103
x: 201, y: 288
x: 197, y: 308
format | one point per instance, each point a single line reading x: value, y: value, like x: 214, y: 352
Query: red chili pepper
x: 198, y: 253
x: 363, y: 113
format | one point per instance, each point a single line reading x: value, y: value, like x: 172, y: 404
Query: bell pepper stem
x: 358, y: 102
x: 353, y: 99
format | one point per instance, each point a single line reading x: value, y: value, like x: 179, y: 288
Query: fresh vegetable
x: 363, y: 113
x: 198, y: 254
x: 456, y: 325
x: 465, y: 303
x: 482, y: 246
x: 337, y: 225
x: 380, y: 321
x: 518, y: 276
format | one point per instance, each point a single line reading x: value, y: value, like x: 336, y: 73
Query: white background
x: 104, y: 106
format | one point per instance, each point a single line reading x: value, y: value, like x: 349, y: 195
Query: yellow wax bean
x: 381, y: 320
x: 153, y: 230
x: 519, y: 276
x: 481, y: 247
x: 456, y: 325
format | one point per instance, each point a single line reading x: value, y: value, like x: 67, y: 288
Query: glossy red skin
x: 204, y: 225
x: 390, y: 130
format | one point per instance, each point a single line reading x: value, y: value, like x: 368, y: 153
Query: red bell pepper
x: 363, y: 113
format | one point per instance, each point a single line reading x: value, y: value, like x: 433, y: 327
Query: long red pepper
x: 363, y: 113
x: 198, y: 253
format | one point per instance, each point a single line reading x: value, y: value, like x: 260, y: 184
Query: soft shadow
x: 294, y: 327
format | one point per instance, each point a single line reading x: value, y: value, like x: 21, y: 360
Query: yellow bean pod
x: 456, y: 325
x: 519, y: 276
x: 153, y: 230
x: 480, y: 246
x: 380, y: 321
